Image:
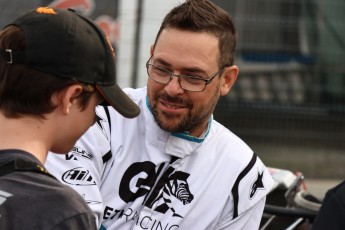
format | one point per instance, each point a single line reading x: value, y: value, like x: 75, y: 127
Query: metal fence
x: 291, y: 85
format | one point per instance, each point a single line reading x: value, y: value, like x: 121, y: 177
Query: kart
x: 289, y: 205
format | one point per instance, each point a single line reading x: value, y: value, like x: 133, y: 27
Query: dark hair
x: 204, y: 16
x: 26, y: 91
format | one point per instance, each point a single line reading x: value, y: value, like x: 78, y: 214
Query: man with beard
x: 174, y: 166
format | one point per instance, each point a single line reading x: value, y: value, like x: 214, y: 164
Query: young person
x: 332, y: 211
x: 55, y: 68
x: 174, y: 166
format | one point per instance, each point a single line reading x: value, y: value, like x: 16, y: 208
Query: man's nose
x: 173, y: 87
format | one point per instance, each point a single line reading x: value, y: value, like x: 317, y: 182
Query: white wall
x: 153, y: 14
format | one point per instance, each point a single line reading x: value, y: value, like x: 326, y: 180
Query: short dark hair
x: 204, y: 16
x: 26, y: 91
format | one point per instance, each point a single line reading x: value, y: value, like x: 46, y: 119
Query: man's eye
x: 161, y: 71
x: 193, y: 79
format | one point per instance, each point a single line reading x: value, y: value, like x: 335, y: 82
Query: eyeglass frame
x: 207, y: 81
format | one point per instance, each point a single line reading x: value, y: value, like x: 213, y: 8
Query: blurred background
x: 289, y: 100
x: 288, y: 103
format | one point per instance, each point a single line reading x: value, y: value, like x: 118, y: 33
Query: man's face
x: 186, y: 53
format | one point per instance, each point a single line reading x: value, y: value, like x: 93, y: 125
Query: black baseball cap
x: 66, y: 44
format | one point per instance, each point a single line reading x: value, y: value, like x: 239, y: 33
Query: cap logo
x: 45, y: 10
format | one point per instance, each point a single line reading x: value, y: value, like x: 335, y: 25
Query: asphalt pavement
x: 319, y: 187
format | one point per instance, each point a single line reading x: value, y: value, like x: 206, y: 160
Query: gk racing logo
x: 160, y: 194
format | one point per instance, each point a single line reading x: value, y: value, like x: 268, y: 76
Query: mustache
x: 174, y: 100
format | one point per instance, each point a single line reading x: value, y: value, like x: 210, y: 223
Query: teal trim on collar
x: 148, y: 103
x: 185, y: 135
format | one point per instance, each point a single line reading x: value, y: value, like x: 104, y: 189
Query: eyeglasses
x: 190, y: 83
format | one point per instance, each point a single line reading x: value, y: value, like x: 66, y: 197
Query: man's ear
x: 228, y: 79
x: 68, y: 97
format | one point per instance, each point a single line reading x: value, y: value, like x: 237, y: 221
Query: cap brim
x: 118, y: 99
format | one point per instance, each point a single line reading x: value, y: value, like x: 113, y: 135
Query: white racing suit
x: 134, y: 175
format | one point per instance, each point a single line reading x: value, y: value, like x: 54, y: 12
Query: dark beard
x: 189, y: 122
